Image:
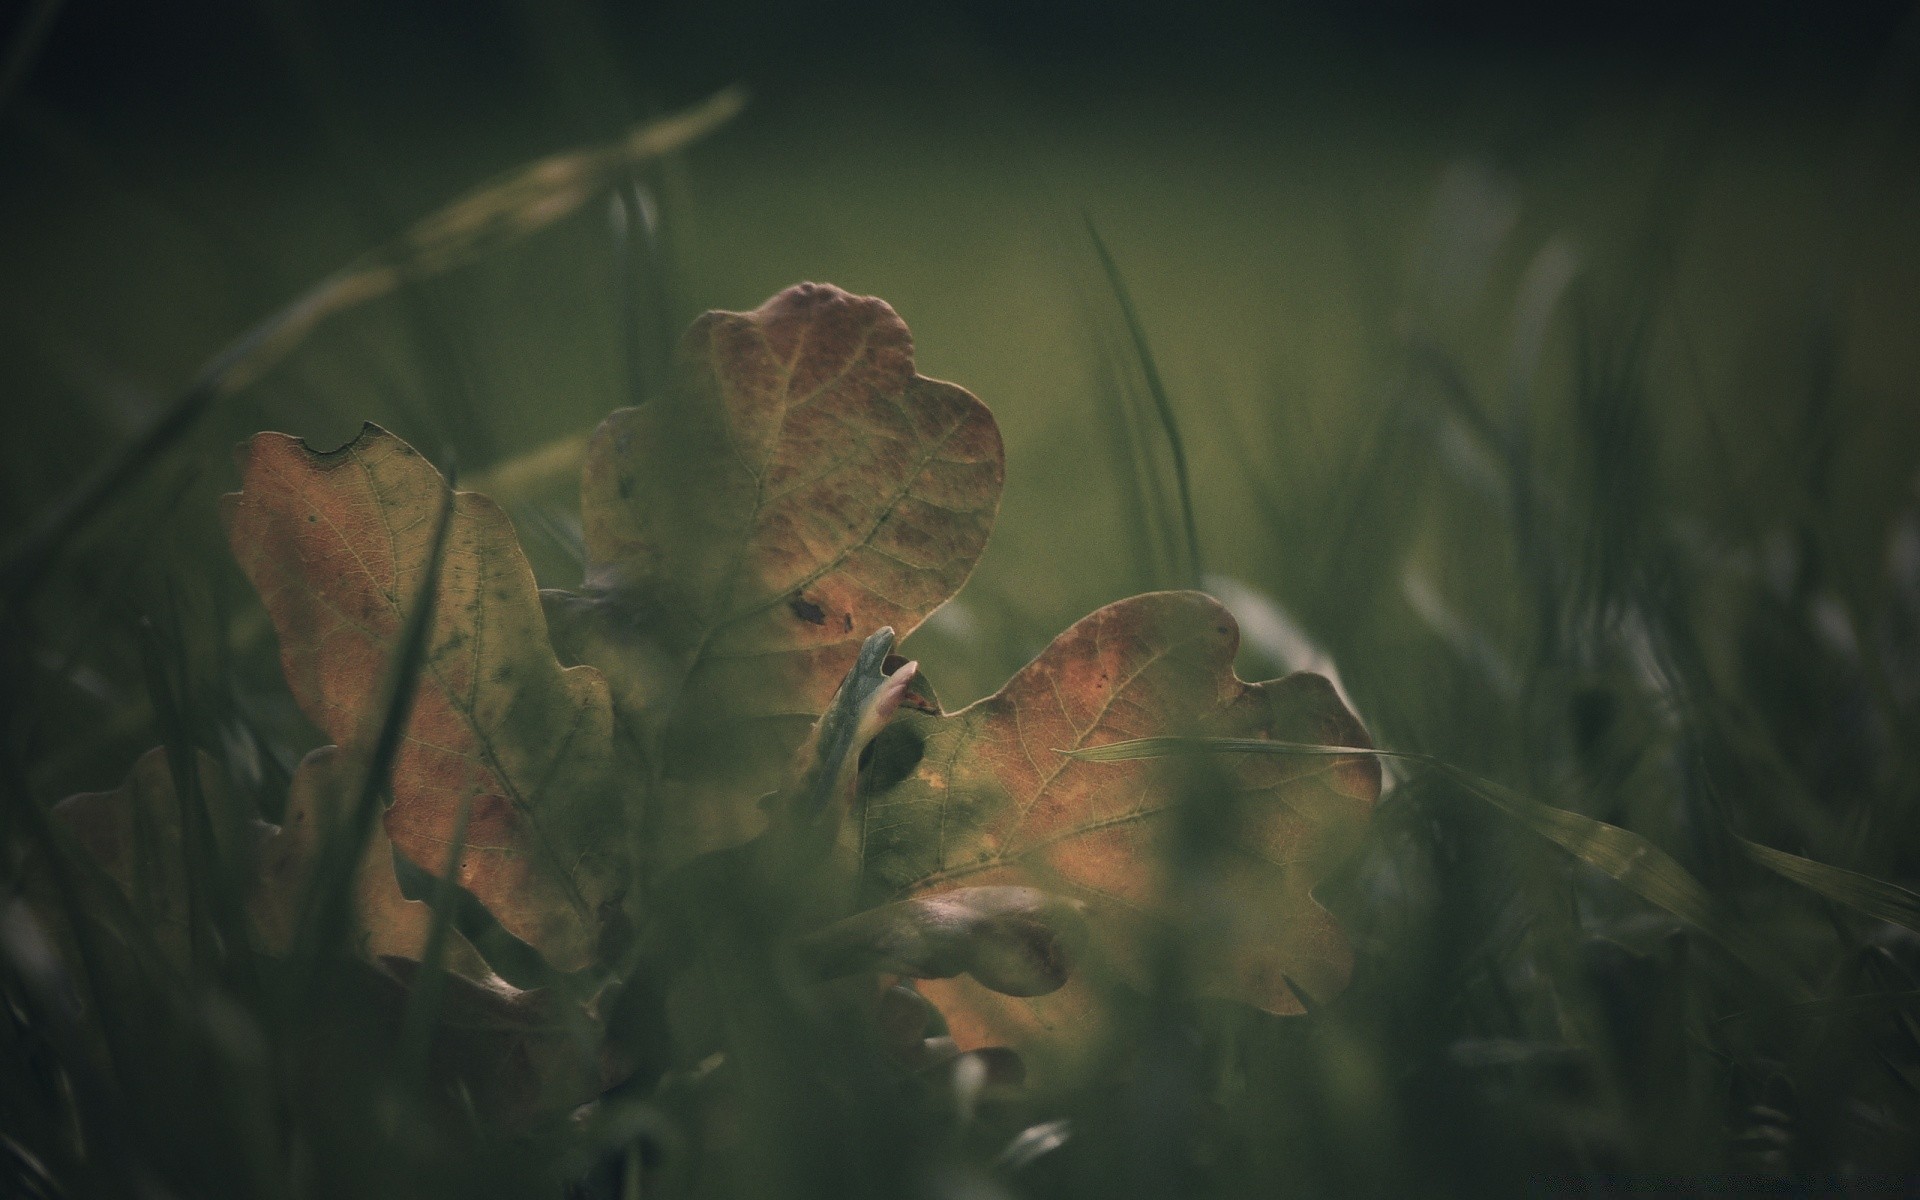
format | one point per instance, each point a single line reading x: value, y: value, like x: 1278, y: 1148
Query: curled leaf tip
x: 886, y: 700
x: 866, y: 700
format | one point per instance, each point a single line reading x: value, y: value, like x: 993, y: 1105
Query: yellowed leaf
x: 134, y: 834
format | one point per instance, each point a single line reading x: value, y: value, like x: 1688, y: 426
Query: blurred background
x: 1308, y: 204
x: 1551, y: 369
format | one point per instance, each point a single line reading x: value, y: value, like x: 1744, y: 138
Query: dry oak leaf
x: 984, y: 796
x: 388, y: 925
x: 134, y: 834
x: 515, y: 1055
x: 797, y: 489
x: 337, y: 544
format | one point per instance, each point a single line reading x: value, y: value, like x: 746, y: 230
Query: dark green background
x: 1552, y: 365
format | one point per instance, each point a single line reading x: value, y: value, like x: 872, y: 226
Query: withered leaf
x: 799, y: 488
x: 134, y: 834
x: 388, y: 925
x: 337, y: 546
x: 521, y: 1054
x: 984, y: 797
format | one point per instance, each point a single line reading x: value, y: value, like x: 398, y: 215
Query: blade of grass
x: 430, y: 982
x: 629, y: 253
x: 503, y: 210
x: 1163, y: 405
x: 509, y: 957
x: 217, y: 925
x: 183, y: 768
x: 327, y: 908
x: 1876, y: 898
x: 1140, y: 510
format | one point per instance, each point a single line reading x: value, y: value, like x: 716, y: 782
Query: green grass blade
x: 501, y: 211
x: 1163, y: 405
x: 1876, y: 898
x: 328, y: 906
x: 430, y: 984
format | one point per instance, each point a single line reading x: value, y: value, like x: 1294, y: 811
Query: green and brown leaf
x: 337, y: 545
x: 754, y: 542
x: 986, y: 796
x: 800, y: 488
x: 386, y: 923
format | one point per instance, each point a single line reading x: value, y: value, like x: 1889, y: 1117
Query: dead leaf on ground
x: 388, y: 925
x: 984, y: 797
x: 134, y: 834
x: 337, y: 546
x: 799, y: 488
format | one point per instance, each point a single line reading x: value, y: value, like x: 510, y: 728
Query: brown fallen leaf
x: 516, y: 1055
x: 134, y: 834
x: 984, y: 797
x: 388, y: 924
x: 337, y: 546
x: 800, y: 488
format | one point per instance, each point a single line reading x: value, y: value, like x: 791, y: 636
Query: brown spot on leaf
x: 808, y: 611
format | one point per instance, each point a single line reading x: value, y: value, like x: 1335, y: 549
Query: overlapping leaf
x: 800, y: 488
x: 801, y: 493
x: 135, y: 835
x: 387, y: 924
x: 986, y: 797
x: 514, y: 1054
x: 338, y: 546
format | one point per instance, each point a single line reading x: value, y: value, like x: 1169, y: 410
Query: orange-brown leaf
x: 799, y: 488
x: 337, y: 545
x: 984, y: 796
x: 387, y: 923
